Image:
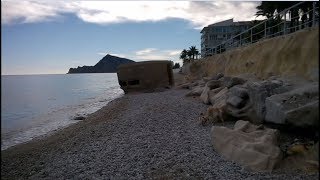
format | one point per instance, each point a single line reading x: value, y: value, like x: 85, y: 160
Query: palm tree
x: 266, y: 8
x: 189, y: 53
x: 193, y: 51
x: 183, y: 54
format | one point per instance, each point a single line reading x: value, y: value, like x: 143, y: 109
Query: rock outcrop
x: 107, y: 64
x: 299, y: 107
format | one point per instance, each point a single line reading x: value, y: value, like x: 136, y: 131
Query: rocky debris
x: 301, y: 156
x: 254, y: 147
x: 247, y: 99
x: 79, y: 117
x: 212, y: 116
x: 299, y: 107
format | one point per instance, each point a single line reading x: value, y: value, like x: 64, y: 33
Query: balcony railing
x: 277, y: 25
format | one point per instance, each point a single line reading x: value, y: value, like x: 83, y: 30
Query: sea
x: 33, y: 106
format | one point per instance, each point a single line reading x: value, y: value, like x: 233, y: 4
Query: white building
x: 215, y: 34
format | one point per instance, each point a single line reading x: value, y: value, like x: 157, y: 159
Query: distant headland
x: 108, y: 64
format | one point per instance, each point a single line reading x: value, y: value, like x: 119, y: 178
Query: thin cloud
x: 173, y: 52
x: 145, y: 51
x: 198, y: 13
x: 156, y: 54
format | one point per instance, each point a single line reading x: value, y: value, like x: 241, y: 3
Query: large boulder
x: 240, y: 92
x: 258, y: 92
x: 214, y: 77
x: 238, y: 96
x: 253, y: 147
x: 212, y: 84
x: 184, y: 86
x: 212, y: 93
x: 196, y: 91
x: 235, y: 101
x: 232, y: 81
x: 219, y: 100
x: 299, y: 107
x: 204, y: 97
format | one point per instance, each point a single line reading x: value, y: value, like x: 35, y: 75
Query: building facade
x: 215, y: 34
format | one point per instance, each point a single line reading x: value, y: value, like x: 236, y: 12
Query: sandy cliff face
x: 295, y: 54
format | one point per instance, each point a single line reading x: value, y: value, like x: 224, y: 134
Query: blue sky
x: 40, y: 37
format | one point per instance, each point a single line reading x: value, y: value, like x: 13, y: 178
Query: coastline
x: 30, y: 111
x: 139, y: 136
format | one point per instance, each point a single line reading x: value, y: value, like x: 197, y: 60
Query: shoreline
x: 141, y: 136
x: 66, y: 117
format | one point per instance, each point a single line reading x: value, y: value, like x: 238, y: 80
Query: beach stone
x: 235, y: 101
x: 298, y: 107
x: 254, y: 147
x: 232, y: 81
x: 212, y: 84
x: 79, y: 118
x: 196, y: 91
x: 184, y: 86
x: 204, y: 97
x: 258, y: 92
x: 212, y: 93
x: 214, y: 77
x: 201, y: 83
x: 305, y: 116
x: 220, y: 99
x: 191, y: 85
x: 240, y: 92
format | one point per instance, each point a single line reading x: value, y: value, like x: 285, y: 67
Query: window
x: 133, y: 82
x: 224, y: 29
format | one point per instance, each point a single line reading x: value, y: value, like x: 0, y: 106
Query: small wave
x: 45, y: 124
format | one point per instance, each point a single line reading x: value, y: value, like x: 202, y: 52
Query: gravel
x: 138, y: 136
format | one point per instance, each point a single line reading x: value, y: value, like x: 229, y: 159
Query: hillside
x: 107, y: 64
x: 295, y: 54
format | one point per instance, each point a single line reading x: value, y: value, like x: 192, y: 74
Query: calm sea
x: 35, y: 105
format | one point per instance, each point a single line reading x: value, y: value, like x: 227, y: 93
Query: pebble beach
x: 138, y: 136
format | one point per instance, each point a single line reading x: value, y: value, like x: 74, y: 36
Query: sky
x: 49, y: 37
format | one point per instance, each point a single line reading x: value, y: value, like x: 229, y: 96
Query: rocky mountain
x: 107, y: 64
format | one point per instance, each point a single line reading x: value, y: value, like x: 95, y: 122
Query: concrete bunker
x: 146, y: 75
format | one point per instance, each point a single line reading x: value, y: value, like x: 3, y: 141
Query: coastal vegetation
x: 188, y: 55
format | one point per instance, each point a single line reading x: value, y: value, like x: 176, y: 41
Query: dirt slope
x: 295, y: 54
